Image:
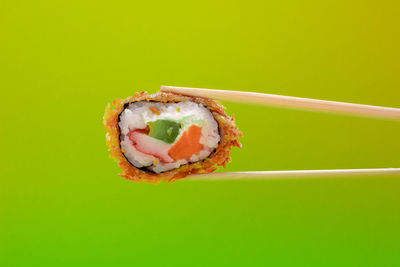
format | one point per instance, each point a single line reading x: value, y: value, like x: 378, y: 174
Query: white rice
x: 138, y: 114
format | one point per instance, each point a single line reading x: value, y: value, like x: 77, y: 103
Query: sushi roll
x: 166, y: 136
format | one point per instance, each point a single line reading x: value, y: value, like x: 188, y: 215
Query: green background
x: 61, y: 201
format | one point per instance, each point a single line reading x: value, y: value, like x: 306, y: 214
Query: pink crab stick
x: 151, y: 146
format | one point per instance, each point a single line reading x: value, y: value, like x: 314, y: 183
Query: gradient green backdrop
x: 61, y: 201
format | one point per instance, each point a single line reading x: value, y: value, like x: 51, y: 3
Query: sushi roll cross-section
x: 167, y: 136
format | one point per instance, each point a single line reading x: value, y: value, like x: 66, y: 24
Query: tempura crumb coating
x: 227, y: 129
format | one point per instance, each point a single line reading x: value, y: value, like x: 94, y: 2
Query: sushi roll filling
x: 159, y: 137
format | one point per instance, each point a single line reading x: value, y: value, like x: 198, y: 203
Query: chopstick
x: 298, y: 103
x: 262, y: 175
x: 289, y: 102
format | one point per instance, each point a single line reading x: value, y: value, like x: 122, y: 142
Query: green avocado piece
x: 164, y: 130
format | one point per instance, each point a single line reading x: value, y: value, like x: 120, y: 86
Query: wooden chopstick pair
x: 298, y: 103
